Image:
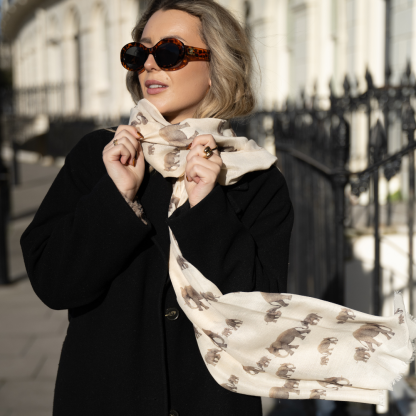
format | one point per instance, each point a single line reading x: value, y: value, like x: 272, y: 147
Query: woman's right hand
x: 118, y: 160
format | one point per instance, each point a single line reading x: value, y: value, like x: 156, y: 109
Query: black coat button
x: 173, y: 413
x: 172, y: 314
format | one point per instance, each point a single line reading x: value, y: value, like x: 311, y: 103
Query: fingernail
x: 134, y: 162
x: 189, y: 146
x: 187, y: 178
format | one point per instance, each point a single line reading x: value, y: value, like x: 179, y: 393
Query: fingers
x: 129, y: 140
x: 202, y: 141
x: 206, y: 174
x: 210, y: 167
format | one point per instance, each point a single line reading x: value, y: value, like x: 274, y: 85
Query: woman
x: 130, y: 349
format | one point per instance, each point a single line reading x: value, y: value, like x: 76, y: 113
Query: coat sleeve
x: 250, y: 254
x: 83, y: 234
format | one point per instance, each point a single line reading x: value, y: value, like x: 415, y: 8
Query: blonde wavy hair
x: 231, y: 66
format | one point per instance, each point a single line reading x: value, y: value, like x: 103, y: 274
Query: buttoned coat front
x: 88, y: 252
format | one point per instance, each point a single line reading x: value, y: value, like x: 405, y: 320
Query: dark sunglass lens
x: 167, y: 55
x: 135, y: 57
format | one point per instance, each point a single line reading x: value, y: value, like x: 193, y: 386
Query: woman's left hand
x: 201, y: 172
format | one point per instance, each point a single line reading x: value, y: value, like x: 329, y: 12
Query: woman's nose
x: 151, y: 64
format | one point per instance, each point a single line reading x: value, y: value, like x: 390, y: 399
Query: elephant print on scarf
x: 324, y: 348
x: 221, y: 127
x: 229, y: 148
x: 188, y: 294
x: 197, y: 333
x: 366, y: 333
x: 344, y: 315
x: 141, y: 119
x: 272, y: 315
x: 209, y: 296
x: 317, y: 393
x: 227, y: 332
x: 276, y: 298
x: 212, y: 356
x: 213, y: 336
x: 335, y: 382
x: 284, y: 370
x: 174, y: 136
x: 170, y: 161
x: 284, y: 339
x: 233, y: 323
x: 283, y: 392
x: 233, y: 381
x: 401, y: 317
x: 174, y: 201
x: 311, y: 319
x: 361, y: 354
x: 261, y: 365
x: 252, y: 370
x: 151, y: 149
x: 182, y: 262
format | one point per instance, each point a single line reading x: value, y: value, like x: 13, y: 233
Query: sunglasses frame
x: 186, y: 54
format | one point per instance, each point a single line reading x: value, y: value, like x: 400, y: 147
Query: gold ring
x: 209, y: 152
x: 115, y: 142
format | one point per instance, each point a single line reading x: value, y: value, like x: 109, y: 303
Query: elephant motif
x: 283, y: 392
x: 252, y: 370
x: 226, y: 332
x: 151, y: 149
x: 174, y: 201
x: 212, y: 356
x: 229, y: 148
x: 174, y: 135
x: 324, y: 348
x: 197, y: 333
x: 317, y: 393
x: 220, y: 344
x: 311, y: 319
x: 401, y: 317
x: 273, y: 315
x: 276, y: 298
x: 170, y: 162
x: 188, y: 294
x: 182, y: 263
x: 366, y: 333
x: 233, y: 380
x: 344, y: 315
x: 221, y: 127
x: 209, y: 296
x: 335, y: 382
x: 233, y: 323
x: 141, y: 119
x: 284, y: 339
x: 361, y: 354
x: 284, y: 370
x: 263, y: 362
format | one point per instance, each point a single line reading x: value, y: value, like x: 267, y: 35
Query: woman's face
x: 186, y: 87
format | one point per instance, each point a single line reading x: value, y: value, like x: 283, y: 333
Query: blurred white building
x: 300, y: 44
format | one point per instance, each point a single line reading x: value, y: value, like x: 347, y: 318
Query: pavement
x: 31, y: 334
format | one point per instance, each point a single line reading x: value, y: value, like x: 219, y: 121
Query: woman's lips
x: 152, y: 91
x: 157, y: 86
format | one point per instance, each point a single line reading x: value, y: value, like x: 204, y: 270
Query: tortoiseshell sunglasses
x: 170, y: 55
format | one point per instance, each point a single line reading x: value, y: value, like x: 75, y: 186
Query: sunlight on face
x: 186, y: 87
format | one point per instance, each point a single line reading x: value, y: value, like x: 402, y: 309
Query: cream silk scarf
x: 271, y: 344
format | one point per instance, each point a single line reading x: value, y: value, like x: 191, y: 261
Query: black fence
x: 314, y: 149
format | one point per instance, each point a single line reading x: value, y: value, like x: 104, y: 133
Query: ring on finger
x: 209, y: 152
x: 115, y: 142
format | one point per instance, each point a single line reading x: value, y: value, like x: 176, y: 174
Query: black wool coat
x: 86, y: 251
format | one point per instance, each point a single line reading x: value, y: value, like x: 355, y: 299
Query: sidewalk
x: 31, y: 334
